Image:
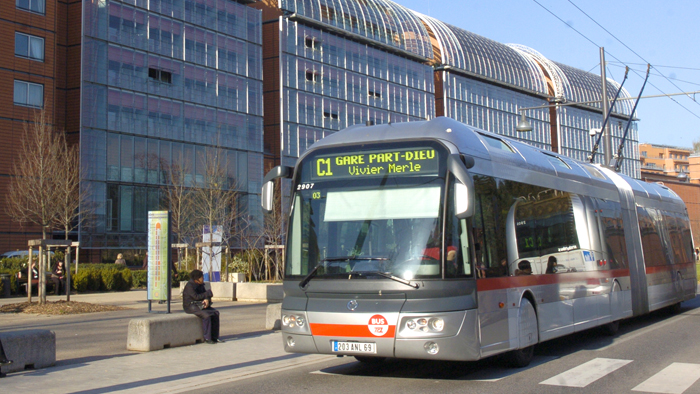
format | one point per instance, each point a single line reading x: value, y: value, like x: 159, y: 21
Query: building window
x: 375, y: 94
x: 330, y: 114
x: 644, y: 153
x: 312, y: 43
x: 29, y: 94
x: 29, y: 46
x: 38, y: 6
x: 312, y: 76
x: 160, y: 75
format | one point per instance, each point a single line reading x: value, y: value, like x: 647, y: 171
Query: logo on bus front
x: 378, y: 325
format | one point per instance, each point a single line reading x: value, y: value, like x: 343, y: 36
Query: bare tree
x: 215, y: 195
x: 72, y: 203
x: 273, y: 230
x: 33, y: 195
x: 178, y: 198
x: 696, y: 146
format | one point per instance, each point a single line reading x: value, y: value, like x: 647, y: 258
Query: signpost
x: 159, y: 279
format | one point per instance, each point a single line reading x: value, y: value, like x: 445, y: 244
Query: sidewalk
x: 172, y: 370
x: 94, y: 345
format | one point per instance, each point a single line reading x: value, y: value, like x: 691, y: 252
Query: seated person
x: 524, y: 268
x: 197, y: 301
x: 58, y: 276
x: 551, y: 265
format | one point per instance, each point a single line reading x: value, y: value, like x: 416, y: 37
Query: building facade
x: 144, y: 85
x: 667, y: 160
x: 32, y: 76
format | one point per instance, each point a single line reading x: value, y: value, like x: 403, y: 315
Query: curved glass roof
x: 391, y: 24
x: 379, y: 20
x: 481, y: 56
x: 584, y: 86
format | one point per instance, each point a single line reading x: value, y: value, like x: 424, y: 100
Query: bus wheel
x: 370, y: 360
x: 527, y: 326
x: 611, y: 328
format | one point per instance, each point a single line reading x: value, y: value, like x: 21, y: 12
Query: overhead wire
x: 613, y: 64
x: 613, y: 56
x: 630, y: 49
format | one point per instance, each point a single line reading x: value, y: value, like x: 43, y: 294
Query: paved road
x: 657, y: 353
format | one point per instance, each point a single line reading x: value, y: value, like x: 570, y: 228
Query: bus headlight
x: 444, y: 324
x: 294, y: 322
x: 436, y: 324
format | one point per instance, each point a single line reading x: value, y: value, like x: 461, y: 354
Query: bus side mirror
x: 464, y: 188
x: 268, y: 189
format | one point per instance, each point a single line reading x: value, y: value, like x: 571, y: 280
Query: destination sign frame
x: 376, y: 163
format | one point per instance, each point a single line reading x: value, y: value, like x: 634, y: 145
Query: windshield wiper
x: 312, y: 274
x: 307, y: 279
x: 388, y: 276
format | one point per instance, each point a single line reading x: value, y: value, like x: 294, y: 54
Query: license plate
x: 354, y: 347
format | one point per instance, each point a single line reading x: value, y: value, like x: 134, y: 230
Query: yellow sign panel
x: 158, y: 255
x: 419, y: 161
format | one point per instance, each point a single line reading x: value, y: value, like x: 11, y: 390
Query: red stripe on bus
x: 667, y: 268
x: 507, y: 282
x: 347, y: 330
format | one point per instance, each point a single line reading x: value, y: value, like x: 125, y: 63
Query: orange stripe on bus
x: 506, y: 282
x: 347, y: 330
x: 666, y: 268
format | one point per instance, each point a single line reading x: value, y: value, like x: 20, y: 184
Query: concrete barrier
x: 28, y: 349
x: 161, y: 332
x: 259, y: 292
x: 273, y: 317
x: 223, y: 291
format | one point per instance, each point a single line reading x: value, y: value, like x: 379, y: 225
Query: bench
x: 165, y: 331
x: 28, y: 349
x: 22, y: 281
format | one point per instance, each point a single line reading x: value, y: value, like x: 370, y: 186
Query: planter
x: 259, y: 292
x: 236, y: 277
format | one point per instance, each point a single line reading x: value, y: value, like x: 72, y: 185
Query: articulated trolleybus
x: 436, y: 240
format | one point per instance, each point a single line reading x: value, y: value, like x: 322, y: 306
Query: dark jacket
x: 193, y: 295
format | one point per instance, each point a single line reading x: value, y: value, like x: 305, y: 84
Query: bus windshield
x: 379, y: 221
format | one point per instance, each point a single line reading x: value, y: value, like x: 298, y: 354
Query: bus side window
x: 457, y: 245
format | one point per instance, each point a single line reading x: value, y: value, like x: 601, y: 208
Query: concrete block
x: 29, y: 349
x: 161, y: 332
x: 273, y: 317
x: 236, y: 277
x: 259, y: 292
x: 223, y: 291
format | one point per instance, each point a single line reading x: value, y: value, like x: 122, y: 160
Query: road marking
x: 674, y: 379
x: 496, y: 374
x: 586, y: 373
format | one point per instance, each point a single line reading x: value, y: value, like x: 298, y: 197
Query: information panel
x: 395, y: 162
x: 158, y: 255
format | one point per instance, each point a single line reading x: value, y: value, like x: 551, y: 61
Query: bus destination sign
x: 396, y: 162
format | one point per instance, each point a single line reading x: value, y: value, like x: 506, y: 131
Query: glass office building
x: 164, y: 82
x: 349, y: 62
x: 346, y: 62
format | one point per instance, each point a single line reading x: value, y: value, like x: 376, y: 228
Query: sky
x: 665, y: 33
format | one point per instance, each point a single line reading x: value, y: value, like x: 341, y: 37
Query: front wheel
x: 527, y: 327
x: 611, y: 328
x: 521, y: 358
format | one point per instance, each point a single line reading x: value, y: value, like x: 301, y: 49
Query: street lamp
x: 524, y: 125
